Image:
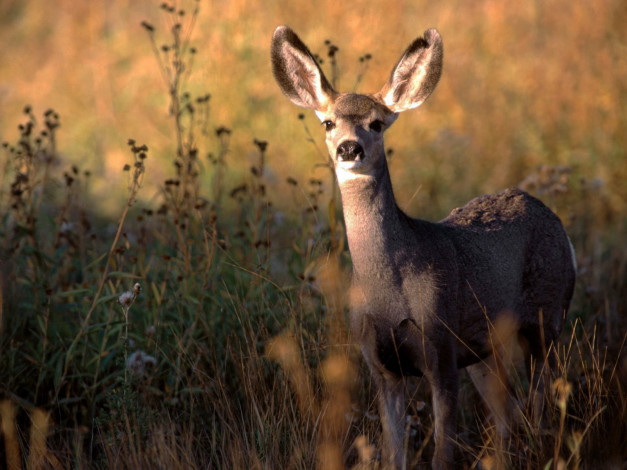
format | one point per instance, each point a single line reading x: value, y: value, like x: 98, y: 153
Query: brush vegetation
x: 201, y: 323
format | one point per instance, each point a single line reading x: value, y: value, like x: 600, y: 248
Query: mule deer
x: 426, y: 295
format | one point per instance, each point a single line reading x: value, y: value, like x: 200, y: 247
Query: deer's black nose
x: 350, y: 151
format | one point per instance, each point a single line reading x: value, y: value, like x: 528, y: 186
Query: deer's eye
x: 376, y: 125
x: 328, y: 125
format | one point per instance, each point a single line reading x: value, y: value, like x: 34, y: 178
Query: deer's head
x: 355, y: 123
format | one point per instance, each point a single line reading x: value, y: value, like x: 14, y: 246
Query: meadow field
x: 173, y: 262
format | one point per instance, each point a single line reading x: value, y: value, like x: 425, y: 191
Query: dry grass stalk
x: 285, y: 351
x: 334, y: 285
x: 40, y: 427
x: 9, y: 430
x: 339, y: 376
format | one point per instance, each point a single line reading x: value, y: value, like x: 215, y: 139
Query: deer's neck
x: 375, y: 226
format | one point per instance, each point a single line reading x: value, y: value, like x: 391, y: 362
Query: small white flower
x: 279, y: 218
x: 66, y: 227
x: 139, y: 361
x: 412, y: 420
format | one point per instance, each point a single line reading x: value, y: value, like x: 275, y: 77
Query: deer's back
x: 513, y: 255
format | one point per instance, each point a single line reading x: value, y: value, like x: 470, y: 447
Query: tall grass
x: 204, y: 325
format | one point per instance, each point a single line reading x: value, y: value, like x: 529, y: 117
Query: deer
x: 425, y: 296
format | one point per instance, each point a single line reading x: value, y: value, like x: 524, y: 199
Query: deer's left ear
x: 297, y: 72
x: 416, y: 74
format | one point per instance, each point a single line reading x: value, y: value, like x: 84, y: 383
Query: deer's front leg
x: 392, y: 411
x: 444, y: 388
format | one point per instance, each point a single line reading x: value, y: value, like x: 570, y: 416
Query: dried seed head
x: 261, y: 144
x: 126, y: 298
x: 147, y: 26
x: 562, y: 389
x: 139, y: 362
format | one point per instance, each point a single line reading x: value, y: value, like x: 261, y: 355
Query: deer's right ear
x: 297, y: 73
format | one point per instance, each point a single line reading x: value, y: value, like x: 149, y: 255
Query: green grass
x: 239, y: 308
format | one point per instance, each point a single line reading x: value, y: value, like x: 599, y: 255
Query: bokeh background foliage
x: 540, y: 82
x: 228, y: 219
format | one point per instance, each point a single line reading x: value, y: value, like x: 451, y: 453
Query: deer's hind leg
x: 490, y: 379
x: 538, y: 346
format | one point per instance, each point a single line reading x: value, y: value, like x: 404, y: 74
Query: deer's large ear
x: 416, y: 74
x: 297, y: 73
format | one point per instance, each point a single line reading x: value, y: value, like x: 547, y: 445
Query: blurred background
x: 524, y: 84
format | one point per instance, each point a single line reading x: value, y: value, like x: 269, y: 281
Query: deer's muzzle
x: 349, y: 151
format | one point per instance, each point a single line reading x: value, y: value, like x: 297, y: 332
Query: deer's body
x: 426, y: 296
x: 449, y: 281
